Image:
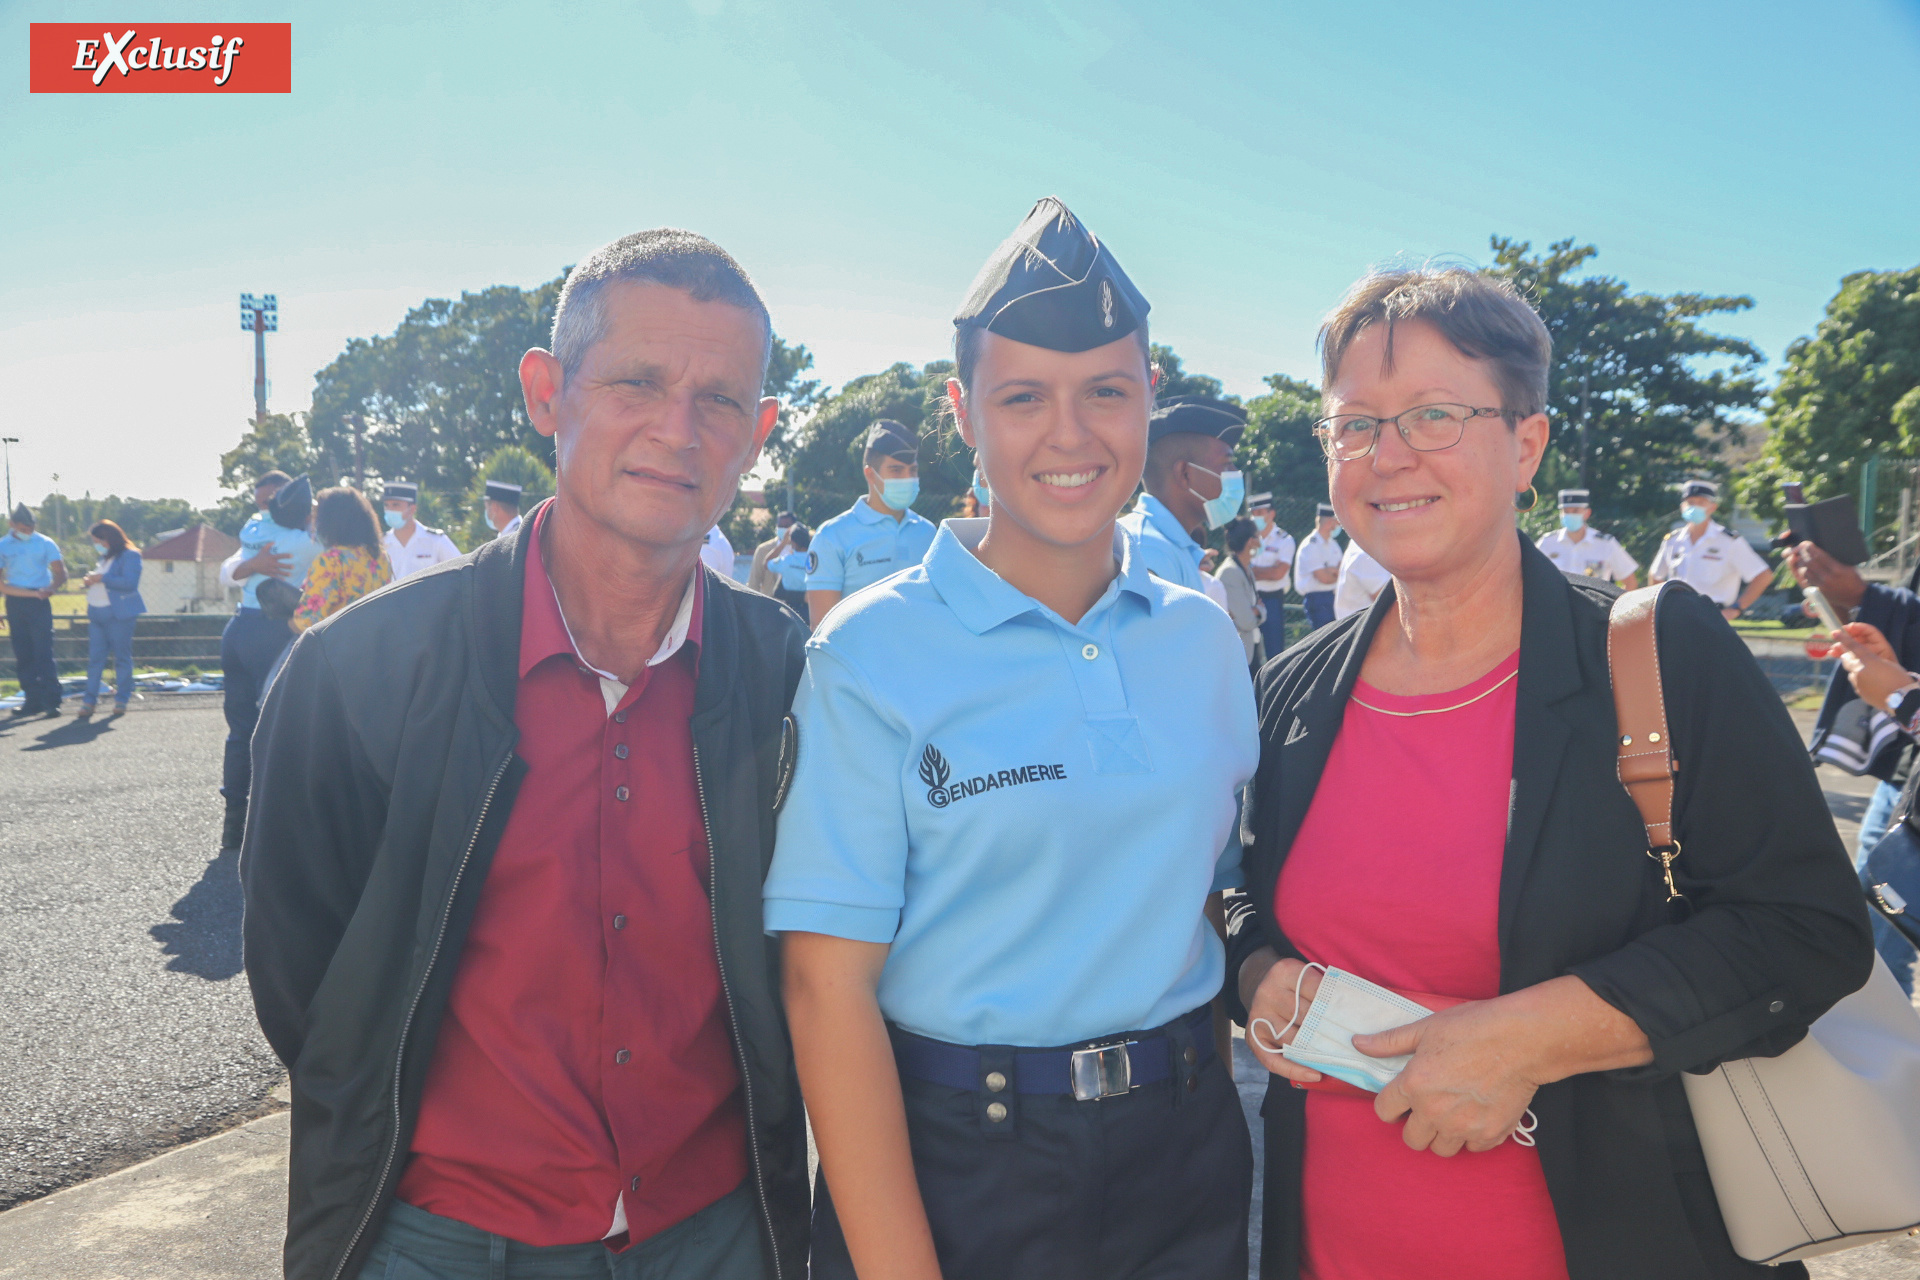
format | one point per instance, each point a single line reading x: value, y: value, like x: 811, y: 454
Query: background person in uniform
x: 1316, y: 567
x: 410, y: 545
x: 31, y: 570
x: 1707, y: 556
x: 1272, y: 567
x: 1016, y: 787
x: 1190, y: 485
x: 266, y: 562
x: 1361, y: 579
x: 1243, y: 601
x: 1576, y: 547
x: 251, y: 644
x: 717, y: 553
x: 114, y: 607
x: 503, y: 889
x: 881, y: 533
x: 503, y: 507
x: 1439, y: 812
x: 792, y: 567
x: 761, y: 578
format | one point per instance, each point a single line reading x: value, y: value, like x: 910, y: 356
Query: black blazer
x: 1779, y: 932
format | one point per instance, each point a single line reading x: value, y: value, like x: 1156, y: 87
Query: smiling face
x: 662, y: 416
x: 1427, y: 516
x: 1061, y: 436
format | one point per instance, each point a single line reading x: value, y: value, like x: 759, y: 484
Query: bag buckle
x: 1105, y: 1071
x: 1890, y: 900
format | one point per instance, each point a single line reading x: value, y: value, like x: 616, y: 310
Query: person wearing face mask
x: 410, y: 545
x: 31, y: 570
x: 881, y: 533
x: 1316, y: 567
x: 113, y: 604
x: 1577, y: 548
x: 503, y: 507
x: 991, y: 885
x: 1710, y: 558
x: 1454, y: 937
x: 1190, y: 486
x: 1272, y: 567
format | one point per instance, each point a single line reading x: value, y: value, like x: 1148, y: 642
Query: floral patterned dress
x: 339, y: 576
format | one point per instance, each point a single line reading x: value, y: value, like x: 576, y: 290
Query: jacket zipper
x: 400, y: 1053
x: 733, y: 1020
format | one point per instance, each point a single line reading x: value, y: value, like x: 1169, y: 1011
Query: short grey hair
x: 665, y: 255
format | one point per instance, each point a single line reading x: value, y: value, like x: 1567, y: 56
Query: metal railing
x: 1894, y: 544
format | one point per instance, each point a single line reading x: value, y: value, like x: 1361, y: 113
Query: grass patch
x: 1775, y: 630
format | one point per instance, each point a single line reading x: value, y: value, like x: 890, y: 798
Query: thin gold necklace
x: 1434, y: 711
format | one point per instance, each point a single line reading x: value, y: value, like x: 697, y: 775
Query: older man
x: 503, y: 882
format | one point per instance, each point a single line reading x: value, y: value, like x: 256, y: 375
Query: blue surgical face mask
x: 100, y: 548
x: 1692, y: 514
x: 488, y: 517
x: 981, y: 494
x: 1233, y: 491
x: 18, y: 536
x: 394, y: 519
x: 900, y: 493
x: 1572, y: 523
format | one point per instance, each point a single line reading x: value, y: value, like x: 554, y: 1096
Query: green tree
x: 824, y: 467
x: 280, y: 443
x: 512, y: 465
x: 1176, y: 381
x: 1850, y: 388
x: 797, y: 395
x: 1279, y: 454
x: 1641, y: 396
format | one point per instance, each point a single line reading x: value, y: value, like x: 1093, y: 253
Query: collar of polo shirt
x: 982, y: 599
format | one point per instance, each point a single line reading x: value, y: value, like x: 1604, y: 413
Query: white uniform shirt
x: 427, y: 548
x: 1215, y: 590
x: 1361, y: 579
x: 1595, y: 555
x: 1716, y: 565
x: 513, y: 526
x: 1276, y: 547
x: 717, y: 553
x: 1315, y: 552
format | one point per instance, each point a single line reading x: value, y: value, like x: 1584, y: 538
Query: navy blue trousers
x: 1273, y: 627
x: 248, y: 649
x: 1319, y: 608
x: 30, y: 627
x: 1150, y: 1185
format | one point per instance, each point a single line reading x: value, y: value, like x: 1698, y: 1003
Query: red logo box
x: 161, y: 57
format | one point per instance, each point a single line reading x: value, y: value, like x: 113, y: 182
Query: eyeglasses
x: 1427, y: 428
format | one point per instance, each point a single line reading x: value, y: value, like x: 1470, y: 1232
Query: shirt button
x: 619, y: 717
x: 621, y: 1057
x: 996, y: 1081
x: 1090, y: 651
x: 996, y: 1111
x: 620, y: 793
x: 620, y: 751
x: 1776, y: 1006
x: 619, y: 922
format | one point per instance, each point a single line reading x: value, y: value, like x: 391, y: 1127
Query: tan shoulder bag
x: 1816, y: 1150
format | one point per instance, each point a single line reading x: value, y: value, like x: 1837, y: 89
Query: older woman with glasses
x: 1438, y: 834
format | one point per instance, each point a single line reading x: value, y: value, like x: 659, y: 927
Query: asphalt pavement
x: 127, y: 1028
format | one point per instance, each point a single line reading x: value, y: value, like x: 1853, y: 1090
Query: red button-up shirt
x: 584, y: 1062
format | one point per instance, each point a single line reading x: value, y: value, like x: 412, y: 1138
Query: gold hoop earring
x: 1534, y: 502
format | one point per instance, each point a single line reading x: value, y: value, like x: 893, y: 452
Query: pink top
x: 1395, y: 877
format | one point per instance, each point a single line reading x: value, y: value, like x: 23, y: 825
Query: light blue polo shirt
x: 262, y: 531
x: 28, y: 562
x: 793, y: 568
x: 1031, y: 812
x: 860, y: 546
x: 1167, y: 549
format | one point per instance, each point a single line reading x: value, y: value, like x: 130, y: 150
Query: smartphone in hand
x: 1824, y: 607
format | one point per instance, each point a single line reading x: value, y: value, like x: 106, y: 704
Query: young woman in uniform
x: 1016, y: 789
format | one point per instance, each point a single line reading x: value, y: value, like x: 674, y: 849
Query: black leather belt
x: 1099, y: 1070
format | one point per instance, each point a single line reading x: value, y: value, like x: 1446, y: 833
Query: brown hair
x: 342, y: 517
x: 113, y: 535
x: 1483, y: 317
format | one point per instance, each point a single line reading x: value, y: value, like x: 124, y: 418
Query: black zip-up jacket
x: 384, y: 771
x: 1779, y: 931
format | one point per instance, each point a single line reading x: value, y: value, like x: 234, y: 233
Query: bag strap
x: 1646, y: 761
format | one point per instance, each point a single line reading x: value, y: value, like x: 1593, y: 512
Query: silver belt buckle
x: 1102, y: 1072
x: 1889, y: 898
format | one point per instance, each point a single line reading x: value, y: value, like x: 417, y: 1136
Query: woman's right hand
x: 1270, y: 1007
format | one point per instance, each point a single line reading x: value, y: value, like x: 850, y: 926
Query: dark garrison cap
x: 501, y: 491
x: 290, y: 507
x: 401, y: 489
x: 889, y: 439
x: 1053, y: 284
x: 1574, y: 498
x: 1700, y: 489
x: 21, y: 515
x: 1324, y: 511
x: 1198, y: 415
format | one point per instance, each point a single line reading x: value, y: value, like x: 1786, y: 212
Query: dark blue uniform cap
x: 291, y: 507
x: 1198, y: 415
x: 1053, y: 284
x: 889, y: 439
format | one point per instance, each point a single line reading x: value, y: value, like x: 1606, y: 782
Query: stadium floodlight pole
x: 260, y: 317
x: 7, y: 443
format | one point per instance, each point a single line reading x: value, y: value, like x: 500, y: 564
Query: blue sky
x: 1244, y: 161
